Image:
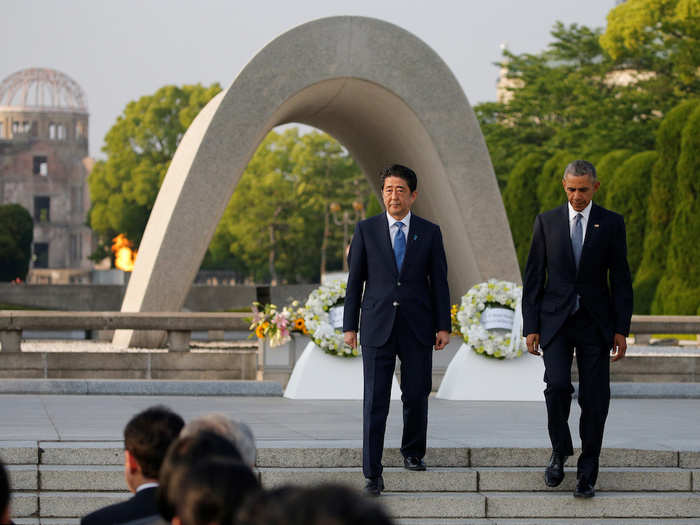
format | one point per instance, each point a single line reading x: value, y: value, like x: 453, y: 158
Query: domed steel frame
x: 42, y: 89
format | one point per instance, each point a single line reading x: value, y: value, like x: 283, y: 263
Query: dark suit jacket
x: 603, y: 280
x: 420, y: 289
x: 140, y: 505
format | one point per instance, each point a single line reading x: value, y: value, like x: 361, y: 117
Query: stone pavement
x: 654, y: 424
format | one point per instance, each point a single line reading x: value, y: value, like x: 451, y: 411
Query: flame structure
x: 124, y: 256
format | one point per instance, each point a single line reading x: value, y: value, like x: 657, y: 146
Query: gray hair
x: 579, y: 168
x: 237, y: 432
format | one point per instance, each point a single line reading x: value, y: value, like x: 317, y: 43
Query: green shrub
x: 605, y: 171
x: 520, y: 200
x: 16, y: 234
x: 678, y: 292
x: 628, y: 193
x: 661, y: 206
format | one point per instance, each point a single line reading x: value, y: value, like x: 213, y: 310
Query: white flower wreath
x: 506, y: 344
x: 317, y: 319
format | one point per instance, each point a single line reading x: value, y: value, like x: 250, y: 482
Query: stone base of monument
x: 318, y: 375
x: 470, y: 376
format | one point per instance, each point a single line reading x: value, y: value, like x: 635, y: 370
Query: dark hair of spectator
x: 148, y: 435
x: 4, y: 489
x: 185, y: 452
x: 397, y: 170
x: 212, y: 489
x: 328, y: 504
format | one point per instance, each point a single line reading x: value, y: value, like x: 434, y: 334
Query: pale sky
x: 120, y: 50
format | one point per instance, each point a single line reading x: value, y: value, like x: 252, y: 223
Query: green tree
x: 520, y: 200
x: 329, y: 176
x: 565, y: 99
x: 16, y: 234
x: 139, y: 148
x: 679, y: 290
x: 661, y: 206
x: 627, y: 195
x: 657, y: 35
x: 278, y: 223
x: 605, y: 171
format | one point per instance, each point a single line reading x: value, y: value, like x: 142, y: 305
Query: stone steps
x: 436, y: 479
x: 434, y: 504
x: 57, y: 482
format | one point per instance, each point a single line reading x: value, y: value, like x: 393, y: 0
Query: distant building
x: 44, y: 166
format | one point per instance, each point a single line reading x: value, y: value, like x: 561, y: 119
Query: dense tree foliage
x: 139, y: 148
x: 679, y: 289
x: 16, y: 234
x: 521, y: 203
x: 661, y: 206
x: 628, y: 193
x: 657, y: 35
x: 605, y: 170
x: 279, y: 225
x: 609, y: 97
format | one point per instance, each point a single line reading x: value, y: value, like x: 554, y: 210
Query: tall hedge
x: 627, y: 194
x: 605, y: 170
x: 679, y: 290
x: 16, y: 234
x: 520, y: 200
x: 550, y: 192
x: 661, y: 206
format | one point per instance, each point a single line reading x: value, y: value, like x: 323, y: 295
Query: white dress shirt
x: 393, y: 230
x: 586, y: 212
x: 147, y: 485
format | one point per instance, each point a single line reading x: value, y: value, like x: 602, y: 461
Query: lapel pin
x: 415, y: 237
x: 596, y: 225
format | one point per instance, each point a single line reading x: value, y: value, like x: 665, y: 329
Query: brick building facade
x: 44, y: 165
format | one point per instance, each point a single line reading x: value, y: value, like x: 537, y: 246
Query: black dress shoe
x: 554, y: 473
x: 413, y: 463
x: 374, y: 486
x: 584, y: 489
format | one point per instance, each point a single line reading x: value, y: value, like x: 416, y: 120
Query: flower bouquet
x: 276, y: 326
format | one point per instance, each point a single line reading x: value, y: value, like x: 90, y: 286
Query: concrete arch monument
x: 378, y: 89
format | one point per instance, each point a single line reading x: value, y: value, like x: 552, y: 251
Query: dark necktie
x: 577, y: 239
x: 577, y: 245
x: 399, y: 245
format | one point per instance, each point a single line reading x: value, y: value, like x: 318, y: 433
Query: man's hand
x: 350, y: 338
x: 441, y: 339
x: 533, y: 344
x: 619, y: 347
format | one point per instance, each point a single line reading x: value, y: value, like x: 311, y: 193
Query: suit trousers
x: 593, y: 360
x: 416, y: 383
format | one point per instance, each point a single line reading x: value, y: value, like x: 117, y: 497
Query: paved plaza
x: 658, y: 424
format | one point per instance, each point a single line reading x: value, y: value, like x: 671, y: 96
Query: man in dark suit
x: 147, y: 437
x: 399, y: 259
x: 577, y: 293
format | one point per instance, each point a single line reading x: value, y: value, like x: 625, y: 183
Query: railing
x: 178, y: 325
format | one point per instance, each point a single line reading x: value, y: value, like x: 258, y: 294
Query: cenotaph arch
x: 381, y: 92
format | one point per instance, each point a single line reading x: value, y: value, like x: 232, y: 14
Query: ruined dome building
x: 44, y: 166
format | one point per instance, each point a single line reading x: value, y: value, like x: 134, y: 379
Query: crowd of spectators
x: 203, y: 473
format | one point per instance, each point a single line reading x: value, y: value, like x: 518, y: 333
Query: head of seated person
x: 4, y: 495
x: 210, y: 491
x: 328, y: 504
x: 238, y: 432
x: 147, y: 437
x: 184, y: 453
